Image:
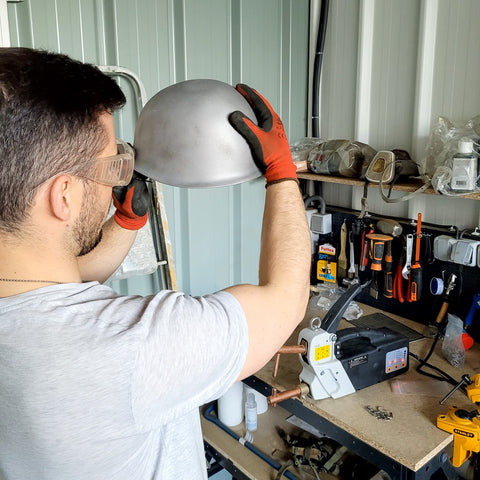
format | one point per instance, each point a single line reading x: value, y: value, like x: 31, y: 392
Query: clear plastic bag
x: 302, y: 147
x: 452, y: 346
x: 346, y: 158
x: 300, y: 150
x: 141, y: 258
x: 442, y: 163
x: 321, y: 302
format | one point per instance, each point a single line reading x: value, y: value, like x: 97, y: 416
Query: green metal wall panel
x: 215, y: 232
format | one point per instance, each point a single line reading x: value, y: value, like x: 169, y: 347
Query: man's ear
x: 62, y: 197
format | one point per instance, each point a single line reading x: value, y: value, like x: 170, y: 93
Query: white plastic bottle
x: 251, y: 413
x: 464, y: 167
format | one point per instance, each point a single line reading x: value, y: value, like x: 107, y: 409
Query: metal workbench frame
x: 221, y: 463
x: 438, y: 468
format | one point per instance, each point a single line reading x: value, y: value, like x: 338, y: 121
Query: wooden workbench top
x: 411, y: 437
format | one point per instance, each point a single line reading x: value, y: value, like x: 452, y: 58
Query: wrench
x: 408, y: 262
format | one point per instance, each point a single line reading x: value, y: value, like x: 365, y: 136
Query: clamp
x: 464, y: 425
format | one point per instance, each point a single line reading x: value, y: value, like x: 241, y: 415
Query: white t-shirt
x: 94, y: 385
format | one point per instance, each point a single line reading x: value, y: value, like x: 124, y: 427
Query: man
x: 94, y: 385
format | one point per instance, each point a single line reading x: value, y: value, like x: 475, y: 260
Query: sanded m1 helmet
x: 183, y: 136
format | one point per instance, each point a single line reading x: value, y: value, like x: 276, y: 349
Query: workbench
x: 409, y: 446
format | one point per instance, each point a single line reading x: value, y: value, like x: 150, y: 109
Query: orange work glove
x: 268, y: 142
x: 131, y: 202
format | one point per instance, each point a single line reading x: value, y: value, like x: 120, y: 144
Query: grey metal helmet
x: 183, y: 136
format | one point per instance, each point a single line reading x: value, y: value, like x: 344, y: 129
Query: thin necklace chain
x: 29, y: 281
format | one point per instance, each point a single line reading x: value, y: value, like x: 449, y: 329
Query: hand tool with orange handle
x: 388, y: 274
x: 398, y: 279
x: 408, y: 265
x: 398, y: 284
x: 378, y: 247
x: 415, y: 283
x: 364, y: 248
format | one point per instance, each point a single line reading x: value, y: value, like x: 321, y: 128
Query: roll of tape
x: 436, y: 286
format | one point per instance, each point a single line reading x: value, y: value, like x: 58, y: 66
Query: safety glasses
x: 115, y: 170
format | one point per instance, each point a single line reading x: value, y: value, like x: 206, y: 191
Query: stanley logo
x: 461, y: 432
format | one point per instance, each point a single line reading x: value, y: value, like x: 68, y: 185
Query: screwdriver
x: 416, y: 268
x: 357, y: 231
x: 364, y: 249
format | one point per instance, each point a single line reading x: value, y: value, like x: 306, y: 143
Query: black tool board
x: 426, y: 310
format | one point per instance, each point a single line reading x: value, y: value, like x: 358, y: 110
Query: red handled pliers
x: 398, y: 284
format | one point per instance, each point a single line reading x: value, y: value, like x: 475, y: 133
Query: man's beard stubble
x: 87, y: 230
x: 87, y: 247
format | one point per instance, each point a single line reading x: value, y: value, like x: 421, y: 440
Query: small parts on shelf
x: 324, y: 455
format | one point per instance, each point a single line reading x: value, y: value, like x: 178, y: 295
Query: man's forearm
x: 109, y: 254
x: 285, y: 253
x: 276, y: 306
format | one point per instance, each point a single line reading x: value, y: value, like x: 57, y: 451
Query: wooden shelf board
x: 401, y: 187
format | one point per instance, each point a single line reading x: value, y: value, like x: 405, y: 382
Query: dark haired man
x: 94, y: 385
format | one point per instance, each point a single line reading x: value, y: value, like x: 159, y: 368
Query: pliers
x: 398, y: 284
x: 398, y: 278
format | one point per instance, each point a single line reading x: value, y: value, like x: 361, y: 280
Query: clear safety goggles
x: 115, y: 170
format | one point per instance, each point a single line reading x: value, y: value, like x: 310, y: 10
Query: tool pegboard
x: 426, y: 309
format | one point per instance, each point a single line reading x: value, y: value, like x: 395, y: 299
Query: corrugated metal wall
x: 390, y: 68
x: 215, y: 232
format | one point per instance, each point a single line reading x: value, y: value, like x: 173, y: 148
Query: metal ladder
x: 158, y: 215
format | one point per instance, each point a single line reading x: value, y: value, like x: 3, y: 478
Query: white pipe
x: 314, y: 18
x: 364, y: 77
x: 425, y: 76
x: 4, y: 29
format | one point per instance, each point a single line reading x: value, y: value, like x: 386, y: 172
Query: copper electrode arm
x: 275, y: 397
x: 287, y: 349
x: 302, y: 389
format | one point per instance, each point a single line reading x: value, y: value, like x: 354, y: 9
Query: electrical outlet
x: 321, y: 223
x: 462, y: 251
x: 442, y: 247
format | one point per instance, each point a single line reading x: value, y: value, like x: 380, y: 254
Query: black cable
x: 317, y: 67
x: 443, y: 377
